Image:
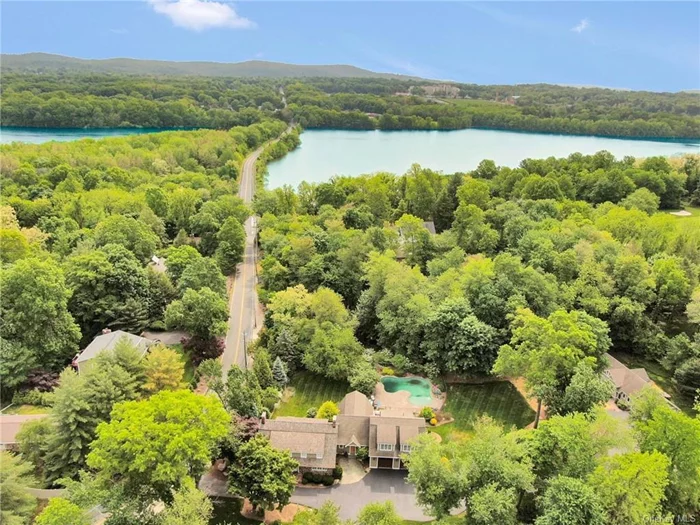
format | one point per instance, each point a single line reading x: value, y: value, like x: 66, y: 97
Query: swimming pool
x: 418, y: 387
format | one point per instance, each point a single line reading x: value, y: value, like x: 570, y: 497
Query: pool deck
x: 400, y: 400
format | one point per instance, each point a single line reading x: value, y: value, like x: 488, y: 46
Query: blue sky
x: 637, y: 45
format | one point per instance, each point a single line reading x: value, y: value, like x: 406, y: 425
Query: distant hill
x: 38, y: 62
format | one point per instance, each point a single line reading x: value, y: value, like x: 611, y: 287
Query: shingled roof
x: 317, y: 439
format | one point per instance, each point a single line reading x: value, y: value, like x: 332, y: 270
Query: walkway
x: 377, y: 486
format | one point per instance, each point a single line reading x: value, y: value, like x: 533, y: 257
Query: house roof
x: 355, y: 404
x: 108, y: 341
x: 627, y: 380
x: 302, y: 435
x: 386, y: 434
x: 10, y: 425
x: 353, y: 430
x: 394, y: 430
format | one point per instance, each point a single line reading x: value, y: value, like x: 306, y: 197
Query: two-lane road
x: 243, y: 300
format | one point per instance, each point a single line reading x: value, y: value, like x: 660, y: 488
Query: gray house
x: 106, y: 343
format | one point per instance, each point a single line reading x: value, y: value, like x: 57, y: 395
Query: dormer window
x: 386, y: 447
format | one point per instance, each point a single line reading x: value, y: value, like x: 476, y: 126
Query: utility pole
x: 245, y: 352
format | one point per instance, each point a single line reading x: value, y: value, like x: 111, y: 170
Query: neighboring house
x: 10, y: 426
x: 158, y: 264
x: 314, y: 443
x: 106, y: 343
x: 627, y: 381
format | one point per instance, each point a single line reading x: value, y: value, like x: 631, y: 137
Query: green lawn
x: 25, y: 410
x: 310, y: 390
x: 498, y: 399
x: 690, y: 221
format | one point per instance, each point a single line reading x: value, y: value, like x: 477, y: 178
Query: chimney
x: 263, y: 417
x: 335, y: 419
x: 106, y: 331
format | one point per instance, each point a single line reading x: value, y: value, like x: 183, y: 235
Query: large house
x: 106, y: 343
x: 627, y: 381
x: 314, y: 443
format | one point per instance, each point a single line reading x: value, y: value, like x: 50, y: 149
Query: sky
x: 635, y: 45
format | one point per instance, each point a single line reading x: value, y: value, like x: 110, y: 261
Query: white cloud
x: 582, y: 26
x: 199, y: 15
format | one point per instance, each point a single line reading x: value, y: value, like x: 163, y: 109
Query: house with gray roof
x: 106, y: 342
x: 315, y: 443
x: 627, y: 381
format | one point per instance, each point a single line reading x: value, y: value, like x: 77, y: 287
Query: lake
x: 324, y: 153
x: 39, y: 135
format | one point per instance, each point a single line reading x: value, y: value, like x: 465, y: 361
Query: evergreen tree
x: 279, y: 373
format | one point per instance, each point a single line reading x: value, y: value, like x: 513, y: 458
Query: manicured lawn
x: 498, y: 399
x: 25, y: 410
x: 692, y: 221
x: 310, y: 390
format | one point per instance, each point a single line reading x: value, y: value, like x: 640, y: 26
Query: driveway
x: 378, y: 485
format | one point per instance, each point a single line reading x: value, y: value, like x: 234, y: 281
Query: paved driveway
x: 378, y: 485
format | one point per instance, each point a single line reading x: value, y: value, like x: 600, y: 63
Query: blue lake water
x: 324, y: 153
x: 39, y: 135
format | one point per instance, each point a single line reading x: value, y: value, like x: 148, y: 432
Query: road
x: 243, y: 301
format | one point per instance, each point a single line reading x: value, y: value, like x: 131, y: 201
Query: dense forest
x: 536, y: 271
x: 113, y: 100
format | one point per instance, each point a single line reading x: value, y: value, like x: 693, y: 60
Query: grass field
x: 310, y: 390
x: 690, y: 221
x: 25, y: 410
x: 498, y: 399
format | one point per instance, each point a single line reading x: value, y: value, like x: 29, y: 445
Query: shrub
x: 622, y: 404
x: 33, y: 397
x: 270, y: 397
x: 362, y: 454
x: 433, y: 421
x: 386, y: 371
x: 364, y: 378
x: 312, y: 412
x: 43, y: 380
x: 306, y: 477
x: 327, y: 480
x: 401, y: 363
x: 327, y: 410
x: 427, y: 413
x: 338, y: 472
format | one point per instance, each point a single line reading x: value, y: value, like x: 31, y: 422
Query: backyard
x: 309, y: 390
x: 497, y: 399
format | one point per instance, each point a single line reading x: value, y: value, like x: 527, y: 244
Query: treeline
x: 117, y: 101
x: 576, y: 242
x: 101, y: 100
x: 559, y: 110
x: 81, y: 222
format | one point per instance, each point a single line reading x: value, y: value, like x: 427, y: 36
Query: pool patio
x: 400, y: 400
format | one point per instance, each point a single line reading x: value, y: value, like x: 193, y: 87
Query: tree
x: 16, y: 504
x: 326, y: 514
x: 60, y: 511
x: 570, y: 501
x: 631, y: 486
x: 202, y: 313
x: 546, y: 351
x: 279, y: 373
x: 492, y: 504
x: 262, y: 368
x: 130, y: 233
x: 165, y: 369
x: 327, y: 410
x: 16, y: 361
x: 380, y: 513
x: 586, y: 390
x: 642, y: 199
x: 200, y: 273
x: 231, y: 239
x: 242, y: 393
x: 32, y: 439
x: 190, y: 506
x: 34, y: 311
x: 333, y: 351
x: 263, y: 474
x: 158, y: 442
x: 692, y: 310
x: 456, y: 341
x: 448, y: 475
x: 178, y: 258
x: 364, y: 378
x: 676, y: 435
